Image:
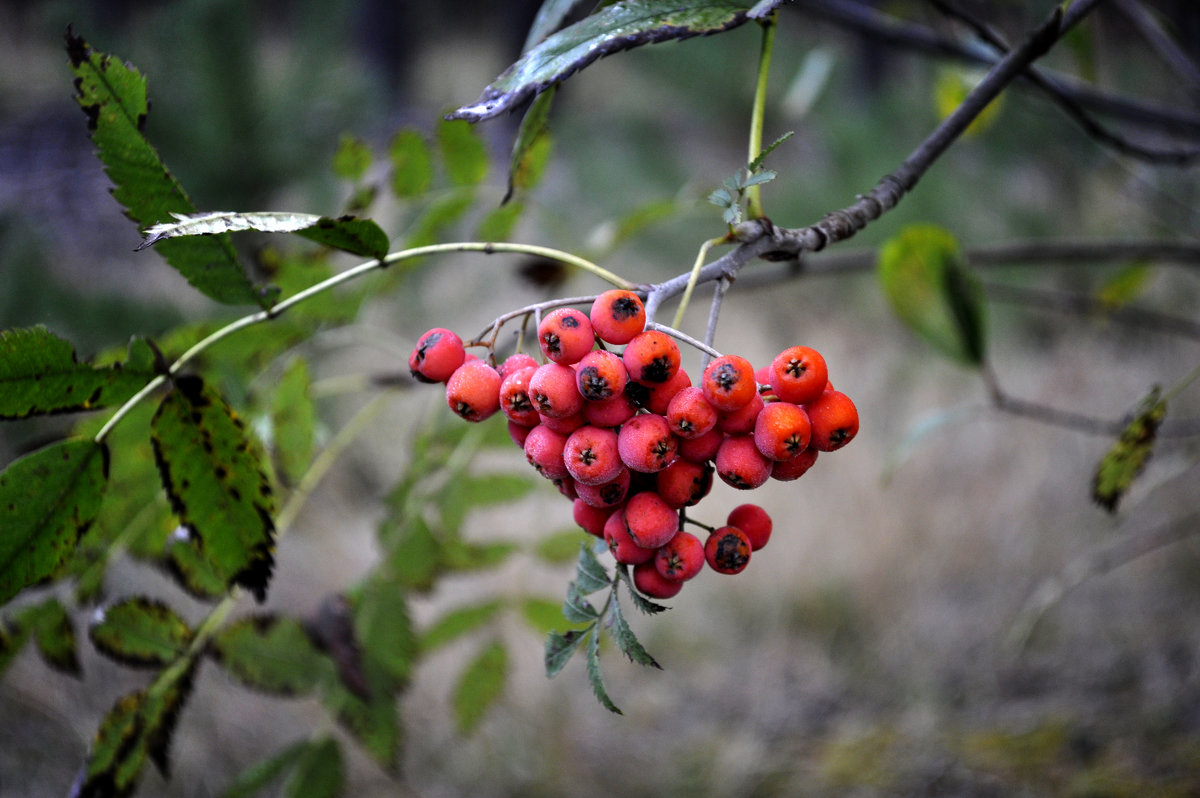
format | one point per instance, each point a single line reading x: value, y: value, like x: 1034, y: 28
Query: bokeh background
x: 868, y: 650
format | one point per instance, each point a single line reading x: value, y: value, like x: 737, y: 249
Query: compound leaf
x: 620, y: 26
x: 271, y: 653
x: 212, y: 471
x: 480, y: 685
x: 113, y: 96
x: 1125, y: 460
x: 39, y: 374
x: 47, y: 501
x: 140, y: 632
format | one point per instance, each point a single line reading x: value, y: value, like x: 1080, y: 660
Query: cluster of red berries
x: 632, y: 441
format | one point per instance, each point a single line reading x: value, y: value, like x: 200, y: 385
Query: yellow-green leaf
x: 480, y: 686
x: 1125, y: 460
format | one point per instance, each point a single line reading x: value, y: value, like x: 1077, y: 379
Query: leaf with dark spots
x: 213, y: 474
x: 620, y: 26
x: 47, y: 501
x: 1123, y: 463
x: 140, y: 632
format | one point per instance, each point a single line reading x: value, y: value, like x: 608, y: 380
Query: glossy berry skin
x: 591, y: 457
x: 728, y: 383
x: 651, y: 358
x: 834, y: 421
x: 798, y: 374
x: 621, y: 544
x: 787, y: 470
x: 651, y: 521
x: 473, y: 390
x: 681, y: 557
x: 565, y: 335
x: 554, y: 392
x: 437, y: 354
x: 652, y: 584
x: 782, y: 431
x: 683, y: 483
x: 600, y: 375
x: 591, y: 519
x: 617, y: 316
x: 740, y: 464
x: 727, y: 550
x: 514, y: 397
x: 646, y: 444
x: 754, y: 521
x: 689, y: 414
x: 544, y: 451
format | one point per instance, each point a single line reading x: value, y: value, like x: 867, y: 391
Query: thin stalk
x: 693, y: 278
x: 754, y: 208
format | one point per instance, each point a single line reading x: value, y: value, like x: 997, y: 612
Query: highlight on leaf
x: 347, y: 233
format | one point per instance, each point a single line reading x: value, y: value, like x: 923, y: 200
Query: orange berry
x: 834, y: 420
x: 681, y: 557
x: 600, y: 375
x: 437, y: 354
x: 617, y: 316
x: 782, y: 431
x: 565, y: 335
x: 798, y: 374
x: 651, y: 357
x: 473, y: 390
x: 727, y: 550
x: 728, y: 383
x: 646, y: 443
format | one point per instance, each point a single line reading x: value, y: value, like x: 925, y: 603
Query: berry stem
x: 682, y: 336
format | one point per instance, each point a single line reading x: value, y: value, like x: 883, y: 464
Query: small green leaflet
x: 47, y: 501
x: 627, y: 641
x: 463, y: 153
x: 318, y: 772
x: 620, y: 26
x: 593, y: 672
x: 551, y: 16
x: 271, y: 653
x: 925, y: 279
x: 347, y: 233
x: 560, y: 646
x: 352, y: 158
x: 211, y: 469
x: 1126, y: 459
x: 590, y: 575
x: 52, y: 631
x: 113, y: 96
x: 412, y: 163
x: 383, y: 626
x: 576, y: 608
x: 39, y: 374
x: 254, y: 779
x: 460, y: 622
x: 140, y: 632
x: 480, y: 685
x: 293, y: 421
x: 531, y: 150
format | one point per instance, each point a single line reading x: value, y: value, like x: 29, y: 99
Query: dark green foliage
x: 140, y: 632
x: 1117, y: 470
x: 273, y: 654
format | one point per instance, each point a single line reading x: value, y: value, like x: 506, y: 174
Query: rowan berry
x: 834, y: 420
x: 565, y: 335
x: 660, y: 396
x: 590, y: 454
x: 740, y: 464
x: 798, y: 374
x: 437, y: 354
x: 617, y: 316
x: 610, y: 412
x: 651, y: 357
x: 782, y: 431
x: 741, y: 421
x: 650, y: 520
x: 600, y: 375
x: 646, y: 444
x: 514, y: 397
x: 727, y: 550
x: 516, y: 362
x: 518, y: 433
x: 623, y: 547
x: 567, y: 487
x: 754, y: 521
x: 787, y: 470
x: 689, y: 413
x: 590, y: 518
x: 565, y: 425
x: 544, y: 451
x: 652, y: 584
x: 608, y: 494
x: 473, y: 390
x: 702, y: 448
x: 684, y: 483
x: 728, y: 383
x: 553, y: 391
x: 681, y: 557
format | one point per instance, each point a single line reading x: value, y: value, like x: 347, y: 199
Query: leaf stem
x: 693, y: 278
x: 754, y: 208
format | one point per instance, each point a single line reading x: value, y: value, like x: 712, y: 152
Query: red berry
x: 684, y: 483
x: 437, y: 354
x: 740, y: 463
x: 565, y: 425
x: 600, y: 375
x: 689, y: 413
x: 651, y: 521
x: 660, y: 396
x: 514, y: 397
x: 553, y: 391
x: 544, y: 451
x: 590, y: 454
x: 728, y: 383
x: 623, y: 547
x: 617, y: 316
x: 754, y: 521
x: 646, y: 443
x: 590, y: 518
x: 782, y: 431
x: 565, y: 335
x: 787, y: 470
x: 703, y: 448
x: 798, y: 374
x: 518, y: 433
x: 516, y: 362
x: 727, y: 550
x: 651, y: 358
x: 609, y: 412
x: 608, y: 494
x: 681, y: 557
x: 741, y: 421
x: 652, y: 584
x: 834, y: 420
x: 473, y: 390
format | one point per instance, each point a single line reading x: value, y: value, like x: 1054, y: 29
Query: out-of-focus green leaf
x: 383, y: 627
x: 1126, y: 285
x: 254, y: 779
x: 951, y: 88
x: 39, y: 374
x: 47, y: 501
x: 140, y: 632
x: 212, y: 471
x: 922, y: 274
x: 1125, y: 460
x: 352, y: 158
x: 54, y: 635
x: 560, y: 547
x: 460, y: 622
x: 271, y: 653
x: 499, y: 223
x: 113, y: 96
x: 472, y: 491
x: 543, y: 615
x: 458, y: 555
x: 347, y: 233
x: 318, y: 772
x: 412, y: 164
x: 293, y: 421
x: 193, y: 571
x: 13, y: 635
x: 415, y: 554
x: 463, y: 152
x: 620, y: 26
x: 480, y: 686
x: 372, y: 718
x: 440, y: 215
x: 531, y: 150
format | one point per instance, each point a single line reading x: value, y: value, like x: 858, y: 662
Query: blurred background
x: 870, y: 650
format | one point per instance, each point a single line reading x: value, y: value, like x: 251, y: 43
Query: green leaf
x: 463, y: 152
x: 1125, y: 460
x: 593, y: 672
x: 470, y: 491
x: 293, y: 421
x: 271, y: 653
x: 347, y: 233
x: 620, y: 26
x: 13, y: 634
x: 543, y: 615
x: 440, y: 215
x: 459, y: 555
x: 561, y: 645
x: 212, y: 472
x: 47, y: 500
x: 576, y: 608
x: 643, y: 604
x: 254, y: 779
x: 39, y: 374
x: 415, y: 554
x: 54, y: 635
x: 498, y: 223
x: 480, y: 686
x: 383, y: 627
x: 113, y: 96
x: 412, y: 164
x: 627, y: 641
x: 318, y: 772
x: 922, y: 274
x: 352, y: 159
x: 590, y: 575
x: 192, y: 570
x: 458, y: 623
x: 1126, y: 285
x: 140, y: 632
x: 531, y: 150
x: 951, y: 88
x: 561, y: 547
x: 551, y: 16
x: 370, y: 718
x: 757, y: 163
